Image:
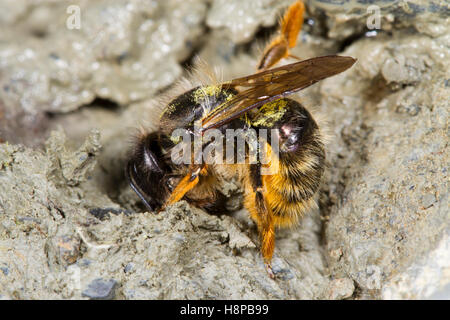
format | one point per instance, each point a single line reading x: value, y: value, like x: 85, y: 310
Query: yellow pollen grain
x: 204, y: 92
x: 270, y: 113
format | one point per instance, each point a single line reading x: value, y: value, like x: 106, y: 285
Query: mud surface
x: 71, y: 100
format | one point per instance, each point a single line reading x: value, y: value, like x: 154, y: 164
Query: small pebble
x: 84, y: 262
x: 100, y: 289
x: 5, y: 270
x: 128, y: 267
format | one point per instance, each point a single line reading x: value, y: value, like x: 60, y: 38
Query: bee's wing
x: 273, y: 84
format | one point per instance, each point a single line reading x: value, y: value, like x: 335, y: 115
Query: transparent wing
x: 263, y: 87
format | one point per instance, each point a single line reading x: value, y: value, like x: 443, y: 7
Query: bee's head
x: 146, y: 169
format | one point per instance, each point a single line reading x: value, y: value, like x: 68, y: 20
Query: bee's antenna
x: 135, y: 186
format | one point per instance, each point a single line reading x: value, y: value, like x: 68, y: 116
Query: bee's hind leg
x: 278, y: 49
x: 261, y: 212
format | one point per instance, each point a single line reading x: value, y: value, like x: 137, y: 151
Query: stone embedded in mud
x: 128, y: 268
x: 101, y: 289
x: 69, y: 248
x: 339, y: 289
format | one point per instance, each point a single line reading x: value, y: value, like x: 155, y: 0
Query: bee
x: 255, y: 102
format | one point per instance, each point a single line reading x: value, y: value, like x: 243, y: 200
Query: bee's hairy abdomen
x: 290, y: 192
x: 299, y: 164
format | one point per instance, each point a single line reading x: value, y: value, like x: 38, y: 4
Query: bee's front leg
x: 186, y: 184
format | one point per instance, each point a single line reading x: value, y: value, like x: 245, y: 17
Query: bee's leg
x: 131, y: 174
x: 274, y: 52
x: 187, y: 183
x: 262, y: 213
x: 278, y: 49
